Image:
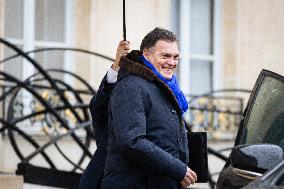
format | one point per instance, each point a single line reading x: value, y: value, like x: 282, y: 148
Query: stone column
x: 1, y: 68
x: 1, y: 154
x: 10, y: 181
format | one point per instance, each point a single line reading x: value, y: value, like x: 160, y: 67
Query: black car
x: 260, y: 140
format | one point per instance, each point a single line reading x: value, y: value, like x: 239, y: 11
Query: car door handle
x: 246, y: 174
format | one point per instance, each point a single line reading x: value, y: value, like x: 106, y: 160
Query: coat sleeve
x: 99, y: 107
x: 99, y: 112
x: 128, y: 119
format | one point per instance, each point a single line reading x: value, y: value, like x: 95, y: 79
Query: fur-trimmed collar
x: 132, y: 64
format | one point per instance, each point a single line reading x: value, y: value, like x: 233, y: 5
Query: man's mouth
x: 167, y: 69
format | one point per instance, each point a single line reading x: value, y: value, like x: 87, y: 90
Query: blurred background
x: 224, y: 45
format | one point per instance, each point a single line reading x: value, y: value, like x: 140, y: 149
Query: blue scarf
x: 171, y: 83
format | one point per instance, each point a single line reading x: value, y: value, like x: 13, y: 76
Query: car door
x: 263, y: 122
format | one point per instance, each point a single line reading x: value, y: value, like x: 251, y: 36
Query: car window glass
x: 266, y: 121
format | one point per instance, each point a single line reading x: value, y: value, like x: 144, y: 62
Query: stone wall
x: 251, y: 35
x: 1, y: 68
x: 11, y: 182
x: 104, y: 19
x: 83, y: 40
x: 253, y: 40
x: 261, y: 42
x: 229, y: 37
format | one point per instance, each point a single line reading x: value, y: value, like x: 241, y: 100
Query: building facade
x: 224, y: 44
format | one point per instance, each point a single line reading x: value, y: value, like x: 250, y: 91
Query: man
x: 147, y: 145
x: 93, y: 174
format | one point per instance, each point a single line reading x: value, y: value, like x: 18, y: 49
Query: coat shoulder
x: 133, y: 83
x: 134, y: 79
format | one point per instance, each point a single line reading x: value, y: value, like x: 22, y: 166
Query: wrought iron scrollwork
x: 50, y: 107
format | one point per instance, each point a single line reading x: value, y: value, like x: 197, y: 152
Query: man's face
x: 164, y: 57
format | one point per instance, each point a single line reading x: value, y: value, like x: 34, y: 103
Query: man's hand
x: 189, y: 178
x: 122, y: 50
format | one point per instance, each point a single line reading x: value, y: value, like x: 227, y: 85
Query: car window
x: 266, y: 120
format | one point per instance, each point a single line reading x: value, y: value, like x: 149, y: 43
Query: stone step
x: 10, y: 181
x: 2, y: 150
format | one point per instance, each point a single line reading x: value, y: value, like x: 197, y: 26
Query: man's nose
x: 172, y: 62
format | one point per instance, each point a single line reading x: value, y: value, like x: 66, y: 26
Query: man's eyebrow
x: 166, y: 54
x: 170, y: 54
x: 176, y: 56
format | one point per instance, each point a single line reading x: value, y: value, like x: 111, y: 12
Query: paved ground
x: 11, y: 160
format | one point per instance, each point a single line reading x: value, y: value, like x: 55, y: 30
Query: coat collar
x: 133, y: 65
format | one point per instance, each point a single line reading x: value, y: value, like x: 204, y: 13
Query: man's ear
x: 146, y: 53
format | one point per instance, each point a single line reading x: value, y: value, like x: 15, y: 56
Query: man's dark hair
x: 155, y: 35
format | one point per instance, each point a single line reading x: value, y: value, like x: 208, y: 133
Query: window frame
x: 28, y: 39
x: 185, y: 49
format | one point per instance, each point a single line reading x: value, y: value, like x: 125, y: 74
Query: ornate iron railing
x: 217, y: 112
x: 52, y: 108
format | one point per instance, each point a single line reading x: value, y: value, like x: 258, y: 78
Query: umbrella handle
x: 124, y: 22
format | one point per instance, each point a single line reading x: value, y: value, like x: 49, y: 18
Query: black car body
x: 260, y: 140
x: 273, y: 179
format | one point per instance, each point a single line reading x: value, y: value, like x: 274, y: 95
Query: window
x: 264, y: 122
x: 34, y: 24
x: 199, y: 30
x: 13, y: 30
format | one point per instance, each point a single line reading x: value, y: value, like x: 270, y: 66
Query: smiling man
x: 147, y: 145
x: 164, y: 57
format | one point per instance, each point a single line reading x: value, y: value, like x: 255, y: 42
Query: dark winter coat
x: 147, y: 140
x: 93, y: 174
